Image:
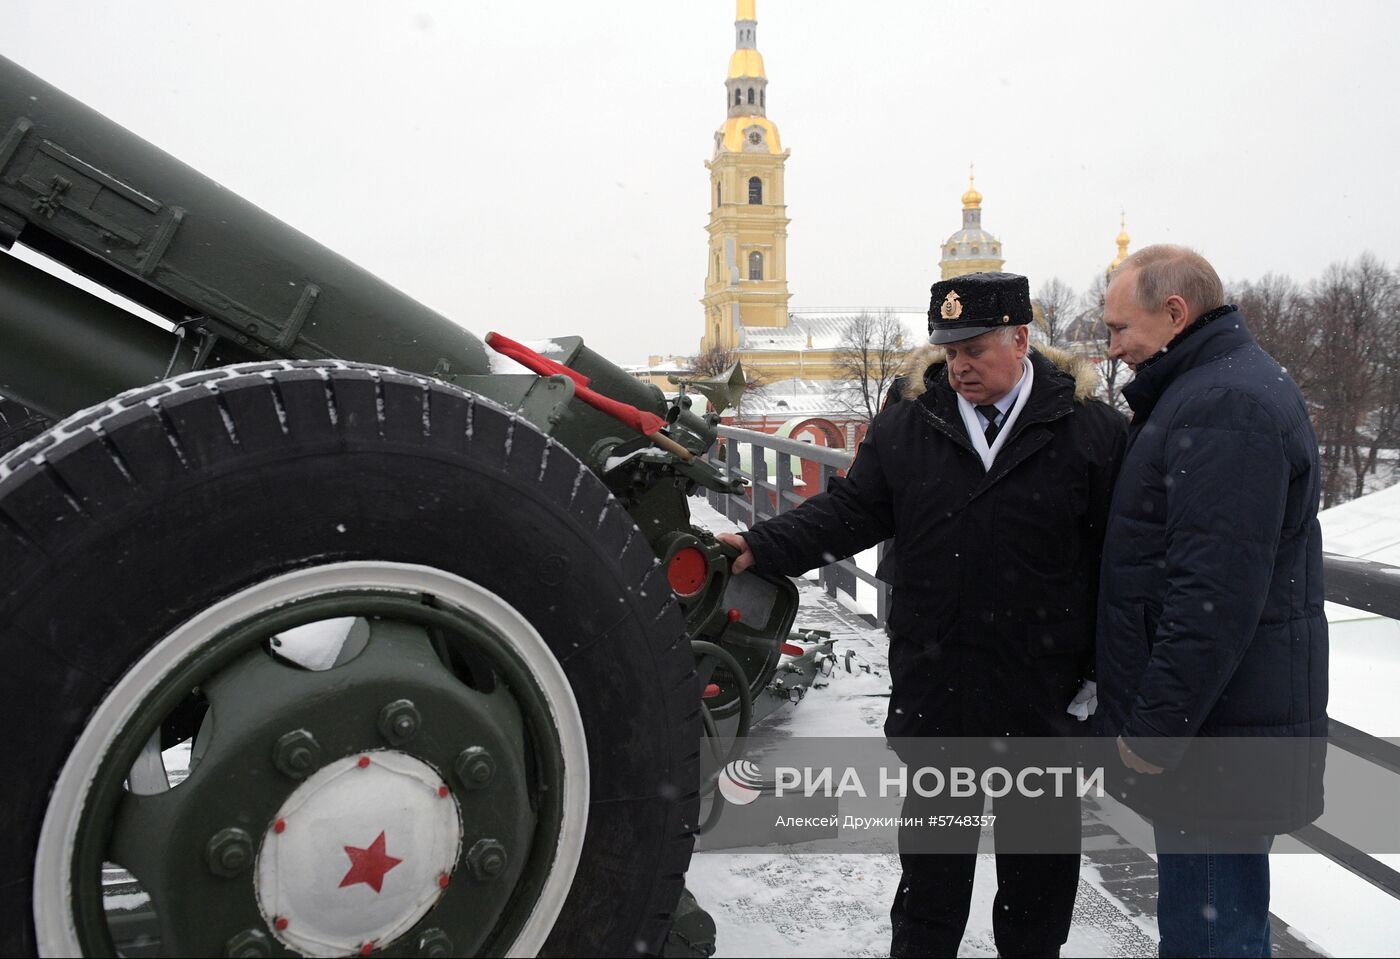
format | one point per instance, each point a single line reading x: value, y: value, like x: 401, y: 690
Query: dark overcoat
x: 995, y: 572
x: 1211, y: 620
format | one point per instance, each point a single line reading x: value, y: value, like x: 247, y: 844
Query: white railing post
x: 783, y: 482
x: 759, y: 472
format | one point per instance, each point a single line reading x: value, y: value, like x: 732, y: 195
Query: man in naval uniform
x: 993, y: 475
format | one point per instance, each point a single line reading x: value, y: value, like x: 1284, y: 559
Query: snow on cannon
x: 326, y: 636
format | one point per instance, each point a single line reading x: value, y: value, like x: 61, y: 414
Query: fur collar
x: 918, y: 362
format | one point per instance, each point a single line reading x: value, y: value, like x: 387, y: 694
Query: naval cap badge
x: 952, y: 306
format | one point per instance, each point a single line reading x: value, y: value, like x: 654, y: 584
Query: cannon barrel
x: 51, y: 328
x: 96, y: 197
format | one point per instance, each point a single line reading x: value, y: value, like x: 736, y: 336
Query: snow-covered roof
x: 657, y: 368
x: 1367, y: 527
x: 824, y: 328
x: 797, y: 397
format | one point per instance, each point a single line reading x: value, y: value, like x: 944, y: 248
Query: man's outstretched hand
x: 745, y: 557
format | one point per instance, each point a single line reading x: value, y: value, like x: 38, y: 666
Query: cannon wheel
x: 497, y: 755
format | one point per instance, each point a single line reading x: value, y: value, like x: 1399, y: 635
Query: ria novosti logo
x: 740, y: 782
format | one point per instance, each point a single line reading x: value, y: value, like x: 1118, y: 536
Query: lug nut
x: 475, y: 767
x: 487, y: 859
x: 297, y: 754
x: 434, y: 943
x: 399, y: 721
x: 229, y: 852
x: 249, y: 944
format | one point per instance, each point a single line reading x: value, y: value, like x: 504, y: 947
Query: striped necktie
x: 990, y: 413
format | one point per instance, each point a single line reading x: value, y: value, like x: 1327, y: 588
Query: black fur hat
x: 971, y: 305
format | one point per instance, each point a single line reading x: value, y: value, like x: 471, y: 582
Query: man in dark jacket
x: 1210, y: 618
x: 993, y: 475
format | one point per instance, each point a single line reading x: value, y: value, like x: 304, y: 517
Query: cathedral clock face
x: 755, y: 137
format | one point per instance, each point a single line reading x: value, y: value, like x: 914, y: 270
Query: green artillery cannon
x: 427, y: 639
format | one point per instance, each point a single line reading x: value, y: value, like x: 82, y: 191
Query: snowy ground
x: 795, y: 904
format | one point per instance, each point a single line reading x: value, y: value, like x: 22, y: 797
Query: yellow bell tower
x: 746, y: 284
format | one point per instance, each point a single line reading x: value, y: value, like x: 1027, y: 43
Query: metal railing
x: 769, y: 497
x: 1356, y: 583
x: 1373, y: 588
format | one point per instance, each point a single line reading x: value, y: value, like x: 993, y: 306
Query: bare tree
x: 716, y: 361
x: 1354, y: 308
x: 713, y: 361
x: 1088, y: 336
x: 1056, y: 304
x: 1384, y: 421
x: 868, y: 359
x: 1377, y: 295
x: 1279, y: 315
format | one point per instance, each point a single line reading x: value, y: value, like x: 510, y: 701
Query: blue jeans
x: 1212, y: 903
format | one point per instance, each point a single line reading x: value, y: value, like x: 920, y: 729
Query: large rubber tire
x: 126, y: 520
x: 18, y: 424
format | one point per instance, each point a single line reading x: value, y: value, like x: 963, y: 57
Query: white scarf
x: 975, y: 430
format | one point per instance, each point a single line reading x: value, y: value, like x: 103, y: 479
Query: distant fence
x: 1359, y: 584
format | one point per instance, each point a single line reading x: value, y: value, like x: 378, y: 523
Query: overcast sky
x: 537, y: 167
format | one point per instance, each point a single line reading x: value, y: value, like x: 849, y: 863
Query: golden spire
x: 747, y: 61
x: 1122, y: 241
x: 972, y: 200
x: 747, y: 128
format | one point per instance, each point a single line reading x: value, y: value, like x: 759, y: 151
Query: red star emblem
x: 369, y: 865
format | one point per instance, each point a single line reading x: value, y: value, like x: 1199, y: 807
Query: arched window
x: 762, y: 99
x: 719, y: 195
x: 750, y: 94
x: 738, y: 97
x: 755, y: 265
x: 755, y: 190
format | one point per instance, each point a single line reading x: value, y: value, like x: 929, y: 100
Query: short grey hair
x: 1165, y: 269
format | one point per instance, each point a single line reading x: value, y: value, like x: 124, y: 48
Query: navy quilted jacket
x: 1210, y: 620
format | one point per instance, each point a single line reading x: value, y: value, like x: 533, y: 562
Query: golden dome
x: 972, y: 200
x: 1122, y: 240
x: 746, y: 63
x: 973, y: 244
x: 745, y: 10
x: 735, y: 129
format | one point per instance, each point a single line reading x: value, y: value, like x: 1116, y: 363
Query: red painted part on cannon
x: 688, y: 572
x: 640, y: 420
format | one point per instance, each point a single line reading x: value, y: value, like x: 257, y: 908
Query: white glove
x: 1085, y: 701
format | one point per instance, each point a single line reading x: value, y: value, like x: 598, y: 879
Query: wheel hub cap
x: 358, y: 854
